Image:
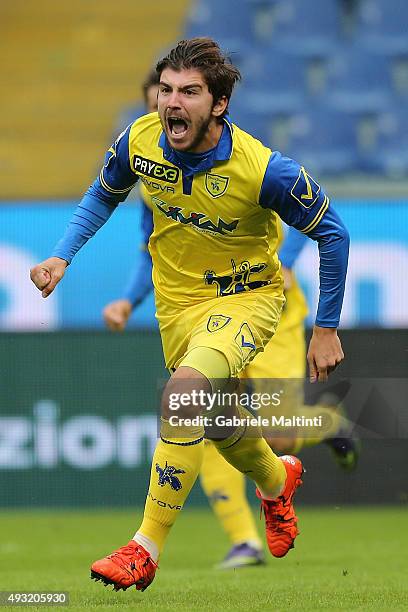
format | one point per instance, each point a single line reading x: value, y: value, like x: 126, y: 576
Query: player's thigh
x: 278, y: 373
x: 239, y: 326
x: 175, y: 327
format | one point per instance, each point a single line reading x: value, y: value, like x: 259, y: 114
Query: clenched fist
x: 47, y: 274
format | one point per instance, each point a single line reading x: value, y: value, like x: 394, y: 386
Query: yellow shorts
x: 283, y: 357
x: 285, y: 354
x: 239, y: 326
x: 282, y: 366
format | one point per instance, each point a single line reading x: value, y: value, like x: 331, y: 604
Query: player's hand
x: 287, y: 278
x: 116, y: 314
x: 324, y: 354
x: 47, y: 274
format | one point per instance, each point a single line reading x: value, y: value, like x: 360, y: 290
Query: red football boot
x: 130, y: 564
x: 280, y: 517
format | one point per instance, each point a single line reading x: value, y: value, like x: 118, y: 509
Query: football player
x: 218, y: 287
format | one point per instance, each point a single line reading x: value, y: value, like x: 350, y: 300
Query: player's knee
x: 209, y: 362
x: 202, y: 373
x: 185, y: 394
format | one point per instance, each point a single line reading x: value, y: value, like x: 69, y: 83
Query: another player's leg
x: 282, y: 366
x: 336, y: 432
x: 225, y: 489
x: 343, y: 443
x: 175, y: 467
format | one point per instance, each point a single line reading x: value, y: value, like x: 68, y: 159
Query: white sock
x: 273, y: 496
x: 148, y: 544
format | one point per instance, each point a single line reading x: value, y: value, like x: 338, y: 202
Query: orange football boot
x: 280, y: 517
x: 130, y: 564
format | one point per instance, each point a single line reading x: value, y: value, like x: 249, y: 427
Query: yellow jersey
x: 215, y: 232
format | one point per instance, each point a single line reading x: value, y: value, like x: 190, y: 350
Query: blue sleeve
x: 116, y: 179
x: 113, y: 185
x: 89, y: 216
x: 291, y: 248
x: 333, y: 240
x: 300, y: 201
x: 140, y: 282
x: 290, y: 191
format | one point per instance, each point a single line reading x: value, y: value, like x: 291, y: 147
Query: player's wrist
x: 324, y: 331
x: 56, y: 260
x: 129, y: 304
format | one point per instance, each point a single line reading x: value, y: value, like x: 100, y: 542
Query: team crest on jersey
x: 216, y: 322
x: 305, y: 190
x: 239, y: 280
x: 167, y: 476
x: 246, y: 341
x: 216, y: 185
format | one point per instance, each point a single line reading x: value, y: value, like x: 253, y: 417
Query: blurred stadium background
x: 326, y: 82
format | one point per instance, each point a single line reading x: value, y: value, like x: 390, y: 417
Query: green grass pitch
x: 345, y: 559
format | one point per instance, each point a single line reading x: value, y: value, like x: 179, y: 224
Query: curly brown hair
x: 205, y: 55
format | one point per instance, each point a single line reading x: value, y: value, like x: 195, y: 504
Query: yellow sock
x: 225, y: 488
x: 175, y: 468
x: 249, y: 453
x: 308, y: 436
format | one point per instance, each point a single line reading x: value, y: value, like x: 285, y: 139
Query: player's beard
x: 202, y: 126
x: 202, y: 129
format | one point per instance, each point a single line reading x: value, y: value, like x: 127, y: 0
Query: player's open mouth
x: 178, y: 127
